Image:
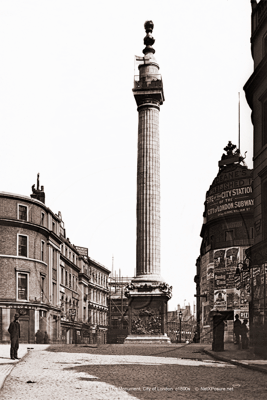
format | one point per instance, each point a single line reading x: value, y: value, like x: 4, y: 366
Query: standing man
x: 237, y: 329
x: 14, y: 331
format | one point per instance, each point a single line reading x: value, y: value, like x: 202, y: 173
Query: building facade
x: 45, y: 278
x: 181, y: 320
x: 227, y: 231
x: 256, y: 94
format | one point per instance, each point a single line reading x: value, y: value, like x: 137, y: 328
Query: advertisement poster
x: 220, y: 299
x: 219, y: 261
x: 244, y: 298
x: 230, y: 297
x: 232, y: 257
x: 220, y: 278
x: 210, y: 271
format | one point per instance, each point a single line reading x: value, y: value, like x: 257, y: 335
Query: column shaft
x: 148, y: 193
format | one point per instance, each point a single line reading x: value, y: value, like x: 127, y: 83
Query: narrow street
x: 125, y: 372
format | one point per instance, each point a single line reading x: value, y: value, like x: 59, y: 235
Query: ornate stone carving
x: 166, y: 289
x: 149, y: 287
x: 146, y: 322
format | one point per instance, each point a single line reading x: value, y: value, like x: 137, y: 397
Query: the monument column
x: 147, y: 293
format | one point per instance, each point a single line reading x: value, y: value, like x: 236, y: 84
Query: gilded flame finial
x: 149, y: 40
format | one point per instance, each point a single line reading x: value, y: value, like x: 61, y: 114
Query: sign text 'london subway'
x: 229, y: 193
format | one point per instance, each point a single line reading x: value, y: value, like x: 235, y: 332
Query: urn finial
x: 149, y: 40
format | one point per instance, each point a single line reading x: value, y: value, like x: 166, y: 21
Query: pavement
x: 7, y: 364
x: 231, y: 355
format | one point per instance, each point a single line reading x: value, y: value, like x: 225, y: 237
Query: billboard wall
x: 225, y: 291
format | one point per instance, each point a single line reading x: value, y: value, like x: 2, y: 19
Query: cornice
x: 69, y: 263
x: 96, y: 264
x: 84, y: 276
x: 24, y: 224
x: 29, y: 200
x: 72, y: 246
x: 23, y: 258
x: 17, y: 223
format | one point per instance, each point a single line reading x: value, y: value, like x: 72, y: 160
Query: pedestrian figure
x: 244, y: 336
x: 39, y: 337
x: 14, y: 331
x: 46, y: 338
x: 237, y: 329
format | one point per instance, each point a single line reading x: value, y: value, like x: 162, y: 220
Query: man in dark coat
x: 14, y: 331
x: 237, y: 329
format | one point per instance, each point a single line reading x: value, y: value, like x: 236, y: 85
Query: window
x: 54, y: 265
x: 22, y: 286
x: 70, y: 280
x: 22, y: 246
x: 66, y: 278
x: 42, y: 250
x: 53, y: 226
x: 54, y: 296
x: 229, y: 235
x: 23, y: 213
x: 42, y: 288
x: 42, y: 219
x: 62, y: 276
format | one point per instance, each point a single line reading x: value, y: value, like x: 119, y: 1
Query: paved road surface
x: 127, y: 372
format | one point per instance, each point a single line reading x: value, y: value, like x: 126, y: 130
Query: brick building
x: 227, y: 231
x: 46, y: 279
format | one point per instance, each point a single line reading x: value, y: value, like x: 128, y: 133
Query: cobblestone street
x: 124, y: 372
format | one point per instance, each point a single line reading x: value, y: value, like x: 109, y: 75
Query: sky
x: 67, y: 111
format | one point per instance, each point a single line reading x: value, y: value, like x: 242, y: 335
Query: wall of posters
x: 225, y: 290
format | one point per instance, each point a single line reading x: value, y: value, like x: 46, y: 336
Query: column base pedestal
x: 155, y: 339
x: 147, y: 312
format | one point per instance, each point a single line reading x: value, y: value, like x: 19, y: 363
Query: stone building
x: 256, y: 94
x: 227, y: 231
x: 45, y: 278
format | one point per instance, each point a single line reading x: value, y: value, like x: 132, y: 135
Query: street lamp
x: 180, y: 319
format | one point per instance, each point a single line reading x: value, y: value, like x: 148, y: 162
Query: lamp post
x: 180, y: 320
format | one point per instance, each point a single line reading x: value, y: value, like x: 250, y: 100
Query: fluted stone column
x: 148, y: 195
x: 148, y: 294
